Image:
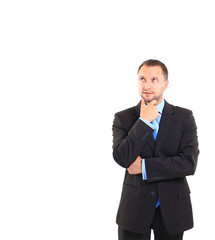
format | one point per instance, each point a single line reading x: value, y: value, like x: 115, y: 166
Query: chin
x: 147, y: 100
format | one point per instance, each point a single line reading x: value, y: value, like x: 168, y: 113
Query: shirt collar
x: 160, y: 106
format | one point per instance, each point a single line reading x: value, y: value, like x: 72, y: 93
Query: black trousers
x: 160, y: 232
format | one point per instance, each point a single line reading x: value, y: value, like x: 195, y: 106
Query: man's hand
x: 149, y: 112
x: 136, y: 166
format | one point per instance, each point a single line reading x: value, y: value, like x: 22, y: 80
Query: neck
x: 160, y: 100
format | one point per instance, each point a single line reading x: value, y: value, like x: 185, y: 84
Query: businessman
x: 157, y: 144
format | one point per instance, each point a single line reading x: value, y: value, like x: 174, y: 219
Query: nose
x: 147, y: 86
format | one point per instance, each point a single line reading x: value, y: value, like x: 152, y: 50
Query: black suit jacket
x: 168, y: 161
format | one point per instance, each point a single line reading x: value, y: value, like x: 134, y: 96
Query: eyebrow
x: 141, y: 76
x: 155, y: 76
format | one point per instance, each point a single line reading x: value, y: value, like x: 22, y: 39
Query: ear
x: 166, y: 84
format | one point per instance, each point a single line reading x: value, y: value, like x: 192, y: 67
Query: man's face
x: 151, y: 83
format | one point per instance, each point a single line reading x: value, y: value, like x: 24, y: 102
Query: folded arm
x: 183, y: 164
x: 127, y: 144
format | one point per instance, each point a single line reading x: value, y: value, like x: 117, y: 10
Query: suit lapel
x: 165, y: 124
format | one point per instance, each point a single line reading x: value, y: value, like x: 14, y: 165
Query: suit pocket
x: 183, y: 192
x: 130, y: 185
x: 131, y: 180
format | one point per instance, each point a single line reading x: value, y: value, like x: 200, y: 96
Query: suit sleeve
x: 127, y: 143
x: 183, y: 164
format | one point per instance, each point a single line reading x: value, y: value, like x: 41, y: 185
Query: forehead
x: 150, y: 71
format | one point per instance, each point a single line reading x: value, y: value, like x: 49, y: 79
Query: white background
x: 65, y: 68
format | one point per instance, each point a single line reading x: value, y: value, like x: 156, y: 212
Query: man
x: 157, y: 145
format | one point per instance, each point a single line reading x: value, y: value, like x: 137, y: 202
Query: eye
x: 142, y: 79
x: 154, y: 80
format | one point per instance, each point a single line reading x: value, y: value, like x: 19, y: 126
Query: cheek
x: 160, y: 88
x: 140, y: 86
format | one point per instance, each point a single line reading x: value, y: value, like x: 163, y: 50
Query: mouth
x: 147, y: 92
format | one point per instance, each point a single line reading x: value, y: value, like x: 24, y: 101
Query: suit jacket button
x: 152, y: 193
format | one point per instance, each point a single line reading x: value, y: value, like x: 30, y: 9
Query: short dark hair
x: 153, y: 63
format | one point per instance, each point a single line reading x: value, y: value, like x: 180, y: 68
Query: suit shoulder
x: 127, y: 117
x: 126, y: 112
x: 181, y: 110
x: 182, y: 113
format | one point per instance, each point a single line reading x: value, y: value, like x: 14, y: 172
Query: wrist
x: 148, y: 123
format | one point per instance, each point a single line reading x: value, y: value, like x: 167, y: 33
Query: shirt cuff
x: 148, y: 123
x: 144, y: 169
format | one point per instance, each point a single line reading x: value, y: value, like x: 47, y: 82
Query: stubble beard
x: 149, y: 99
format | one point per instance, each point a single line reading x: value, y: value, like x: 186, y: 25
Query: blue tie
x: 156, y: 125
